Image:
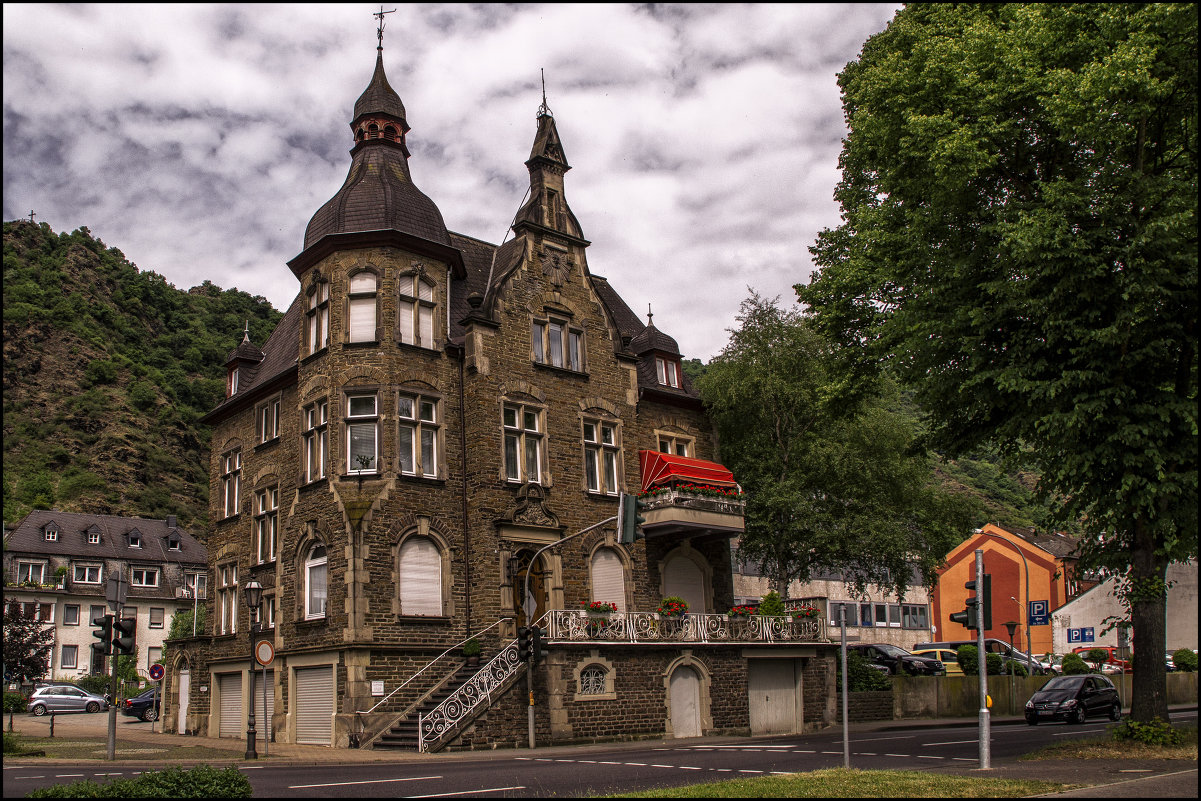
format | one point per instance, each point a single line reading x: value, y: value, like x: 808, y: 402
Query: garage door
x: 315, y: 705
x: 233, y: 723
x: 771, y: 684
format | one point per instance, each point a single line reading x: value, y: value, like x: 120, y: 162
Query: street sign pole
x: 982, y: 664
x: 846, y: 686
x: 114, y: 593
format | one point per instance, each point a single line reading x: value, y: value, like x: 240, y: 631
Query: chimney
x: 170, y: 521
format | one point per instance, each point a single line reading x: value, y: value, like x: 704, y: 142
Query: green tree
x: 831, y: 482
x: 27, y: 644
x: 1019, y: 243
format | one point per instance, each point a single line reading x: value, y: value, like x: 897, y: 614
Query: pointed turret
x: 547, y: 164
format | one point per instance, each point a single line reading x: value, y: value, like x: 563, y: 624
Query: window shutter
x: 420, y: 578
x: 683, y: 578
x: 608, y: 578
x: 362, y: 319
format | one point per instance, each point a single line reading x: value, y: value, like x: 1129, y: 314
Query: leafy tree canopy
x: 27, y: 644
x: 831, y: 483
x: 1019, y: 243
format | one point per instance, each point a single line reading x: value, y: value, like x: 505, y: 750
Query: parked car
x: 1111, y: 659
x: 145, y: 706
x: 949, y: 659
x: 65, y: 698
x: 898, y: 660
x: 1054, y: 664
x: 1073, y: 699
x: 1169, y: 664
x: 992, y: 646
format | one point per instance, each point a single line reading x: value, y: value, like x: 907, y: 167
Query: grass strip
x: 1108, y: 748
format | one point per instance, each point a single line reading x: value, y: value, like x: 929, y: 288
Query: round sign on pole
x: 156, y: 672
x: 264, y: 652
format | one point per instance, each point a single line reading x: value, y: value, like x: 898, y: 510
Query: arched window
x: 420, y: 572
x: 315, y: 571
x: 593, y: 680
x: 390, y: 133
x: 373, y: 131
x: 608, y: 578
x: 684, y: 578
x: 361, y: 308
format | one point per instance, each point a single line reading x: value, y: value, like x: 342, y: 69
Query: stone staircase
x: 402, y: 736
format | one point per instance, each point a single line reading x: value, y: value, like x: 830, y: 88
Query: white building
x: 57, y: 565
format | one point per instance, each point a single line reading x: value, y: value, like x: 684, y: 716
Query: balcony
x: 689, y: 496
x: 650, y: 628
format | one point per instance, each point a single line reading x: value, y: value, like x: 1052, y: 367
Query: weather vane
x: 544, y: 110
x: 380, y: 31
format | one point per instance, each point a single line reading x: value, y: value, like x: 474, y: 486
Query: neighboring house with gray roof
x: 57, y: 564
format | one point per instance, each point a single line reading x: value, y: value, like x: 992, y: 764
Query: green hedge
x: 15, y: 702
x: 202, y: 781
x: 1185, y: 659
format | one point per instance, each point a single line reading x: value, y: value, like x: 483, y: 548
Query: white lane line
x: 870, y: 739
x: 470, y: 792
x: 898, y: 755
x: 689, y: 767
x: 608, y: 763
x: 723, y: 770
x: 923, y: 756
x: 964, y: 759
x: 831, y: 752
x: 862, y: 753
x: 662, y: 766
x: 67, y: 775
x: 635, y: 764
x: 28, y: 777
x: 749, y: 771
x: 365, y: 781
x: 951, y: 742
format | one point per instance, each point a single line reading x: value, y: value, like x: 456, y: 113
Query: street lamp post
x: 1012, y: 626
x: 254, y: 596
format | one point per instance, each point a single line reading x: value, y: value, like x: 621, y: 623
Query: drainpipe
x: 463, y: 450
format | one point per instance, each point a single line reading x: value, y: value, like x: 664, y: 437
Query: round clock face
x: 264, y: 652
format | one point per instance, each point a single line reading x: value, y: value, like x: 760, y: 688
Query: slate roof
x: 280, y: 354
x: 29, y: 538
x: 379, y: 96
x: 1053, y: 542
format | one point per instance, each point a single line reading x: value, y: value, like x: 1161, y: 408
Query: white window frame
x: 232, y: 384
x: 86, y: 573
x: 315, y: 445
x: 266, y: 524
x: 23, y: 564
x: 51, y: 534
x: 149, y: 577
x: 418, y: 311
x: 429, y: 600
x: 555, y: 342
x: 317, y: 328
x: 93, y: 538
x: 361, y: 295
x: 602, y: 455
x: 420, y: 434
x: 227, y: 598
x: 268, y: 420
x: 668, y: 372
x: 192, y: 579
x: 359, y: 422
x: 314, y: 563
x: 231, y: 479
x: 677, y: 444
x: 134, y: 538
x: 522, y: 445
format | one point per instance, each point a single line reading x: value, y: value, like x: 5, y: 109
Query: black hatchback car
x: 897, y: 660
x: 1074, y: 698
x: 144, y: 706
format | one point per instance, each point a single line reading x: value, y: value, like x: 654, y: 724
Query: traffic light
x: 978, y: 605
x: 104, y: 633
x: 535, y: 644
x: 629, y: 520
x: 123, y: 635
x: 523, y: 644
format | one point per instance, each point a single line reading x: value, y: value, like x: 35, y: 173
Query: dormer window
x: 93, y: 537
x: 232, y: 383
x: 557, y: 344
x: 135, y: 539
x: 51, y: 533
x: 668, y: 371
x: 173, y: 544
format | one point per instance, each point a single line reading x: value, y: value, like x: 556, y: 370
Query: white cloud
x: 200, y: 139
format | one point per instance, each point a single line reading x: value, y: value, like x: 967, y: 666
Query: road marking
x: 67, y: 775
x: 1136, y: 770
x: 861, y: 753
x: 608, y: 763
x: 252, y: 767
x: 723, y: 770
x: 923, y: 756
x: 750, y: 771
x: 950, y: 742
x: 965, y: 759
x: 470, y: 792
x: 689, y: 767
x: 805, y: 751
x: 365, y: 781
x: 831, y: 752
x: 898, y: 755
x: 28, y: 777
x: 635, y: 764
x: 870, y: 739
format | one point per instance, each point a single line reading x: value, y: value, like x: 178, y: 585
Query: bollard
x: 51, y: 724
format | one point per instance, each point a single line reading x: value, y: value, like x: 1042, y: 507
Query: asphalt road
x: 610, y: 768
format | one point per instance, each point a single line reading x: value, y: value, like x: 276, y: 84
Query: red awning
x: 663, y: 468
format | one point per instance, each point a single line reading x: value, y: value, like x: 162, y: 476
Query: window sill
x: 566, y: 371
x: 260, y: 565
x: 594, y: 495
x: 315, y: 354
x: 372, y: 343
x: 230, y: 519
x: 262, y: 446
x: 314, y: 484
x: 432, y: 350
x: 439, y: 619
x: 416, y: 479
x: 312, y: 622
x: 365, y: 475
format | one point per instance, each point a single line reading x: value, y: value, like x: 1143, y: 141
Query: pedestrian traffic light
x: 978, y: 605
x: 523, y: 644
x: 629, y: 521
x: 104, y: 633
x: 535, y: 644
x: 123, y: 635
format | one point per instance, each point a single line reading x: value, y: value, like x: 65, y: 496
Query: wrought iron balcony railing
x: 650, y: 627
x: 676, y: 496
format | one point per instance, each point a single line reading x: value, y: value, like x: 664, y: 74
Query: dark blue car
x: 144, y: 706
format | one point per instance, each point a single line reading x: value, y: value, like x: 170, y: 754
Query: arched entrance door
x: 185, y: 689
x: 532, y: 608
x: 683, y: 578
x: 685, y: 688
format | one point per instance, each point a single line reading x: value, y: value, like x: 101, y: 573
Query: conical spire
x: 379, y: 98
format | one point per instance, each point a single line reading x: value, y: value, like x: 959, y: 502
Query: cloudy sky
x: 200, y: 139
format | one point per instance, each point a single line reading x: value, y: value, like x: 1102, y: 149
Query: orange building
x: 1008, y: 555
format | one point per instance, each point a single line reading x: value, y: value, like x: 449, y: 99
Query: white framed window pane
x: 531, y: 459
x: 512, y: 468
x: 407, y: 461
x: 589, y: 432
x: 425, y: 291
x: 362, y: 282
x: 362, y: 406
x: 406, y: 322
x: 660, y: 371
x: 428, y: 464
x: 317, y: 590
x: 362, y: 319
x: 510, y: 417
x: 555, y: 336
x: 426, y: 319
x: 573, y: 351
x: 537, y: 336
x: 323, y: 317
x: 610, y: 471
x: 70, y: 653
x: 681, y: 448
x: 362, y: 446
x: 428, y: 411
x: 404, y: 407
x: 591, y: 472
x: 607, y: 435
x: 530, y: 421
x: 420, y: 578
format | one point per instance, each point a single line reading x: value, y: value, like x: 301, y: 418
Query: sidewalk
x: 1165, y: 778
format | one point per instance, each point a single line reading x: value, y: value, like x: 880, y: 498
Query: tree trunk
x: 1148, y: 602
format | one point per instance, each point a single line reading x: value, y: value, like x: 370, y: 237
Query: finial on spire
x: 650, y: 316
x: 380, y: 31
x: 246, y: 334
x: 544, y: 110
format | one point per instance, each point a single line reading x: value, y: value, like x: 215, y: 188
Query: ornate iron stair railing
x: 466, y: 703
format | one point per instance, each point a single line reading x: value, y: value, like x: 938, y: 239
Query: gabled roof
x: 28, y: 538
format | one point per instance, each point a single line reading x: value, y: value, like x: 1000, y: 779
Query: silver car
x: 62, y: 698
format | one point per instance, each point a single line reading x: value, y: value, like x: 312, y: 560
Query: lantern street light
x: 254, y: 596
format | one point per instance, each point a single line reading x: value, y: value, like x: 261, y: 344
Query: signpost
x: 156, y: 674
x: 1038, y: 613
x: 264, y: 654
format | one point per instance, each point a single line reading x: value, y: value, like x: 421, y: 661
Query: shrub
x: 12, y: 743
x: 1156, y: 732
x: 202, y: 781
x: 1098, y: 656
x: 1185, y: 659
x: 863, y: 677
x: 15, y: 702
x: 94, y: 684
x: 969, y: 659
x: 771, y: 604
x: 471, y: 647
x: 1073, y: 665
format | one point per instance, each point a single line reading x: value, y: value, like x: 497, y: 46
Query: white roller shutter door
x: 608, y: 578
x: 263, y: 718
x: 314, y: 705
x: 420, y: 578
x: 232, y: 722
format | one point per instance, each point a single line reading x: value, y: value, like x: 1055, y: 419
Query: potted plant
x: 804, y: 612
x: 598, y: 615
x: 471, y: 650
x: 745, y: 610
x: 771, y: 605
x: 60, y: 576
x: 673, y: 607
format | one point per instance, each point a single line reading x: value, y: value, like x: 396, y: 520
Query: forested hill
x: 107, y: 370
